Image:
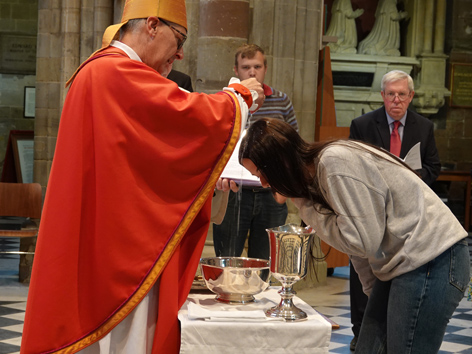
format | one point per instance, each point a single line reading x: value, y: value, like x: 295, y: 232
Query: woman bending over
x: 408, y: 248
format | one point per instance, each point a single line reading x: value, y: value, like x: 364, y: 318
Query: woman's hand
x: 225, y: 184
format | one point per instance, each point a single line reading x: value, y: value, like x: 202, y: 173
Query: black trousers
x: 358, y: 301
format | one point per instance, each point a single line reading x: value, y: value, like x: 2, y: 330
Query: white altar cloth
x: 228, y: 336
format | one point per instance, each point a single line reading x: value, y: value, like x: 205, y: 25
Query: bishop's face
x: 164, y: 48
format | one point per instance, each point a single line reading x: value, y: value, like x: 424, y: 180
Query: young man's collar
x: 267, y: 90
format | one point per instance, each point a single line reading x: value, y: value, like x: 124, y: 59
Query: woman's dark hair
x: 284, y: 159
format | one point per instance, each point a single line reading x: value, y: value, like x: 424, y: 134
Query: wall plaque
x: 23, y: 150
x: 461, y: 85
x: 30, y: 102
x: 17, y: 54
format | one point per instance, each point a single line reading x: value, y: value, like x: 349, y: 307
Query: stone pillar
x: 102, y: 18
x: 285, y: 40
x: 412, y: 45
x: 428, y: 27
x: 56, y: 25
x: 290, y: 32
x: 223, y: 27
x: 306, y: 67
x: 189, y: 63
x: 440, y: 29
x: 95, y: 17
x: 68, y: 32
x: 431, y: 80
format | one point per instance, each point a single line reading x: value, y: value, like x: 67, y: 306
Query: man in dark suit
x: 183, y: 80
x: 393, y: 127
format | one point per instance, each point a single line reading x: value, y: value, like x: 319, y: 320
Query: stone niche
x: 356, y: 81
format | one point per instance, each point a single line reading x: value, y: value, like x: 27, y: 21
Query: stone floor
x: 331, y: 299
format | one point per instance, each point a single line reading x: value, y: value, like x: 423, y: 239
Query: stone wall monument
x: 343, y: 26
x: 384, y: 39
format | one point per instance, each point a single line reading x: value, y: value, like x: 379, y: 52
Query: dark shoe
x: 353, y: 344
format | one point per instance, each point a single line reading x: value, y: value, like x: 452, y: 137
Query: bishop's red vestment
x: 127, y: 202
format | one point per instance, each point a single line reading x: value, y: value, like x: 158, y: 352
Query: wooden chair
x: 20, y: 200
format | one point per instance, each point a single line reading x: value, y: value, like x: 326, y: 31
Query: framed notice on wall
x: 18, y: 161
x: 23, y: 154
x: 30, y: 102
x: 461, y: 85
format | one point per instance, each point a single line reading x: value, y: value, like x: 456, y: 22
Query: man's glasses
x: 180, y: 41
x: 402, y: 96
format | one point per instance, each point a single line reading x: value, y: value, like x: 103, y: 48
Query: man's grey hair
x: 396, y: 75
x: 131, y: 25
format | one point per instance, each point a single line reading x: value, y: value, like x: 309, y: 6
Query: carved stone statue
x: 343, y: 26
x: 384, y: 39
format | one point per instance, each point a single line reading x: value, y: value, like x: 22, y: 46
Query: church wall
x: 454, y: 124
x: 18, y: 26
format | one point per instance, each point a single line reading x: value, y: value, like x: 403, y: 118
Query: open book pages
x: 413, y: 158
x: 235, y: 171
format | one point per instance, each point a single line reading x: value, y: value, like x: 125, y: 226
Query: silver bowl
x: 235, y: 279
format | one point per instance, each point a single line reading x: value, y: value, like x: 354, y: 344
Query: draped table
x: 247, y: 333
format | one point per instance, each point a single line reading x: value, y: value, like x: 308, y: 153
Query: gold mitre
x: 170, y: 10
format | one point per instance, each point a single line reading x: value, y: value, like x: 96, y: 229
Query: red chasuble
x: 128, y: 202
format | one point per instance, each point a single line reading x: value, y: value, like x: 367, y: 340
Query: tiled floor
x: 331, y: 300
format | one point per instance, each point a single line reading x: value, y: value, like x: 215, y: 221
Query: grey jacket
x: 386, y: 218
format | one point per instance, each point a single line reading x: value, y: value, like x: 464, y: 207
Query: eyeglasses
x: 402, y: 96
x: 180, y: 41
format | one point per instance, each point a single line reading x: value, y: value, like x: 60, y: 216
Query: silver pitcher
x: 289, y: 250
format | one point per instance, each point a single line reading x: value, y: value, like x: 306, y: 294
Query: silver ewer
x: 289, y: 249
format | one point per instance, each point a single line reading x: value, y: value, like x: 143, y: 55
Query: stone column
x: 428, y: 27
x: 189, y: 63
x: 95, y: 17
x: 290, y: 32
x: 102, y: 18
x: 440, y: 29
x: 57, y: 49
x: 223, y: 27
x: 431, y: 79
x: 68, y: 32
x: 306, y: 68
